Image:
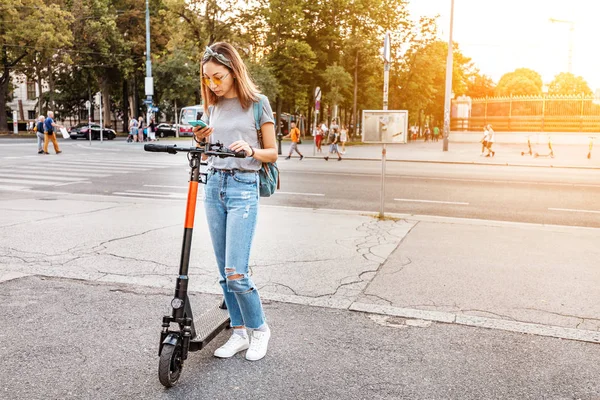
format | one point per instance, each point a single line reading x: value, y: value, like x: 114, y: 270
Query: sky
x: 503, y: 35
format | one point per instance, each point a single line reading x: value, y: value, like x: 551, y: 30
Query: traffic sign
x: 154, y: 109
x: 318, y: 94
x: 147, y: 101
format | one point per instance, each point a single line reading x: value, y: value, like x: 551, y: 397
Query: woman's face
x: 219, y: 79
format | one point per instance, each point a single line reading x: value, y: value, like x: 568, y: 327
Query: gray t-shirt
x: 231, y: 123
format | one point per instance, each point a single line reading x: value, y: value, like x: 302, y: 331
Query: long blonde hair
x: 245, y: 88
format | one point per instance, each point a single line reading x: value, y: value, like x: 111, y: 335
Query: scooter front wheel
x: 170, y: 364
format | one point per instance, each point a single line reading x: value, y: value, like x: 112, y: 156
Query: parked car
x: 164, y: 130
x: 191, y: 113
x: 80, y: 131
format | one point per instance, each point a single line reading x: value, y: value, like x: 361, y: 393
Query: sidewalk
x: 574, y: 156
x: 361, y: 308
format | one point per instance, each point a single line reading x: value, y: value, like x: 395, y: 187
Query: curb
x: 497, y: 164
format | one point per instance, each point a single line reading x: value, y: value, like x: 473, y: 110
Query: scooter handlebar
x: 158, y: 148
x: 216, y: 150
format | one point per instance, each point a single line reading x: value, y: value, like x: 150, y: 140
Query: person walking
x: 295, y: 136
x: 133, y: 130
x: 343, y: 138
x: 427, y: 134
x: 333, y: 147
x: 490, y: 141
x: 39, y: 133
x: 232, y: 193
x: 141, y: 136
x: 484, y: 140
x: 436, y: 133
x: 319, y: 138
x: 152, y: 130
x: 49, y: 133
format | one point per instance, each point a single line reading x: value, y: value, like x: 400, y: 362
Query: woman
x: 231, y: 193
x: 490, y: 141
x: 343, y: 138
x: 39, y: 133
x: 152, y: 130
x: 318, y: 138
x: 141, y: 135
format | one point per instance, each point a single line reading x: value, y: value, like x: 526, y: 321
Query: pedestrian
x: 436, y: 133
x: 343, y: 138
x: 39, y: 133
x: 133, y: 130
x: 333, y: 146
x: 490, y: 141
x: 49, y: 133
x: 484, y: 140
x: 152, y: 130
x: 319, y: 138
x: 295, y: 136
x: 427, y: 133
x: 232, y: 193
x: 141, y: 136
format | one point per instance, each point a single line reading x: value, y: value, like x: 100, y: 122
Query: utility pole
x: 448, y: 93
x: 571, y: 32
x: 149, y: 83
x: 386, y: 79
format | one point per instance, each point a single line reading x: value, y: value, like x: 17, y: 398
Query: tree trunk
x: 125, y: 107
x: 38, y: 74
x: 355, y: 101
x: 3, y: 92
x: 50, y: 87
x: 136, y: 97
x: 278, y: 105
x: 105, y: 91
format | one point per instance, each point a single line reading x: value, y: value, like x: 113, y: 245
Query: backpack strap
x: 258, y: 110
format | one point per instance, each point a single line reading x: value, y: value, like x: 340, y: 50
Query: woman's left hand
x: 241, y: 145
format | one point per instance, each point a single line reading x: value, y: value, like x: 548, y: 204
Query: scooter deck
x: 208, y: 326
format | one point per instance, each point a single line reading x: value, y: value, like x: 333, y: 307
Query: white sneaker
x: 235, y: 344
x: 258, y: 345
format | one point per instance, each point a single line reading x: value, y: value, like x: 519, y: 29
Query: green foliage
x: 566, y: 83
x: 520, y: 82
x: 480, y: 86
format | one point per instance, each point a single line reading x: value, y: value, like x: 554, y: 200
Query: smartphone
x: 199, y: 123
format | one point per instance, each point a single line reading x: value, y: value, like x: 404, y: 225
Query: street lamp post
x: 149, y: 83
x: 448, y: 82
x: 571, y: 32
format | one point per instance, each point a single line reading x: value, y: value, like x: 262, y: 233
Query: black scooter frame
x: 181, y: 311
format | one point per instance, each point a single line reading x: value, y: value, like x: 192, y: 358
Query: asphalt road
x: 506, y: 193
x: 69, y: 339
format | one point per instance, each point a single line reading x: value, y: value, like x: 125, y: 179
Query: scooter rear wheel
x: 170, y: 364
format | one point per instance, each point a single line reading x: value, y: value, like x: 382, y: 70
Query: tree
x: 566, y: 83
x: 422, y: 78
x: 337, y: 82
x: 480, y: 86
x: 27, y: 26
x: 520, y: 82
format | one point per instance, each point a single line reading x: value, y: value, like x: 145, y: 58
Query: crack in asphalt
x: 58, y: 216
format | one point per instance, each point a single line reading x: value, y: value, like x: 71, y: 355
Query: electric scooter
x: 590, y: 147
x: 187, y: 335
x: 550, y: 154
x: 530, y: 151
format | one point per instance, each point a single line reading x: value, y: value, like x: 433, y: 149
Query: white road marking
x: 164, y: 196
x: 301, y: 194
x: 39, y: 178
x: 434, y: 201
x: 166, y: 186
x: 10, y: 187
x: 54, y: 171
x: 30, y: 182
x: 573, y: 210
x: 72, y: 183
x: 444, y: 179
x: 89, y: 172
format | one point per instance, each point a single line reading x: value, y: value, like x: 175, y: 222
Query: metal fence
x: 530, y: 114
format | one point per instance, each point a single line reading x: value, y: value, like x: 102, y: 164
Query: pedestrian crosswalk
x: 44, y: 173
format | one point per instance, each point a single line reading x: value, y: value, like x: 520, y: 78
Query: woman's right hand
x: 202, y: 133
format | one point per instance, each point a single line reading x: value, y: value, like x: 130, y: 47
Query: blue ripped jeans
x: 231, y: 204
